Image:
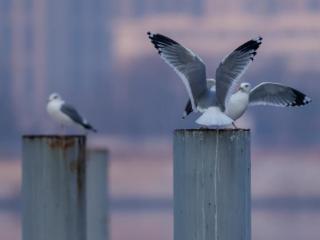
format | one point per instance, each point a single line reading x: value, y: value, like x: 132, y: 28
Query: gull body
x: 65, y: 114
x: 238, y: 102
x: 53, y: 108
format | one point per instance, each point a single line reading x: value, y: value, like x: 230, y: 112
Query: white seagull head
x: 54, y: 96
x: 245, y: 87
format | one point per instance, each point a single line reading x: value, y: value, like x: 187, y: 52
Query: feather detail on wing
x: 275, y: 94
x: 187, y: 65
x: 232, y: 67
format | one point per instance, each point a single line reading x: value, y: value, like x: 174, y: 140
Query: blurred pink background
x: 97, y: 56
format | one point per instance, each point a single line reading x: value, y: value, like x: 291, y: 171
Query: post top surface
x: 207, y: 130
x: 52, y: 136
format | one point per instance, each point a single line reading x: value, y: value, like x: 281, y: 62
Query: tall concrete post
x: 97, y: 194
x: 212, y: 184
x: 54, y: 188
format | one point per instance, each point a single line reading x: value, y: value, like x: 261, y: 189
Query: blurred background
x: 96, y: 54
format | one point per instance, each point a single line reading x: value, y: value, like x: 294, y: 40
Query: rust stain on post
x: 63, y: 143
x: 56, y: 141
x: 78, y: 167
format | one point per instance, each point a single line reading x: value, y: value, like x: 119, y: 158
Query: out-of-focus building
x: 139, y: 8
x: 71, y: 46
x: 6, y: 48
x: 51, y: 46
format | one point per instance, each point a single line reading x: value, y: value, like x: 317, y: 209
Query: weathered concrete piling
x: 212, y: 184
x: 54, y: 188
x: 97, y: 192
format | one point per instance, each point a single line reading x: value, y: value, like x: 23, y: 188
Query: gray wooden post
x: 212, y: 184
x: 53, y: 188
x: 97, y: 204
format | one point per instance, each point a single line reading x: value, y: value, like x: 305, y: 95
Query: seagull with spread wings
x: 210, y: 102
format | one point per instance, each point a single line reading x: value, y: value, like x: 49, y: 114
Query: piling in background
x: 97, y: 201
x: 212, y: 184
x: 53, y: 188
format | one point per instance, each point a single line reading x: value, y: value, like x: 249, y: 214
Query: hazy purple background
x: 97, y: 56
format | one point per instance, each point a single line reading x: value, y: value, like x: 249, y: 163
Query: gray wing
x: 188, y: 66
x: 275, y: 94
x: 75, y: 116
x: 232, y: 68
x: 72, y: 113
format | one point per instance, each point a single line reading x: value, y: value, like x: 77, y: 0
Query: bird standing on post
x: 216, y: 99
x: 66, y: 114
x: 210, y: 102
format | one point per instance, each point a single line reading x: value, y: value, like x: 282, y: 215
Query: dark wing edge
x: 72, y: 113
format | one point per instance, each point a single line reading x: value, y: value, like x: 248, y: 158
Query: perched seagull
x: 266, y: 93
x: 65, y: 114
x: 210, y: 97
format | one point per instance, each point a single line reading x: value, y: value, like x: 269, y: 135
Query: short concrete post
x: 97, y: 201
x: 53, y: 188
x: 212, y: 185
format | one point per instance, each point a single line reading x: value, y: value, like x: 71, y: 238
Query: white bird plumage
x: 65, y: 114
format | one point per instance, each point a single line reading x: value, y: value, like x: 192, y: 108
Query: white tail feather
x: 214, y: 117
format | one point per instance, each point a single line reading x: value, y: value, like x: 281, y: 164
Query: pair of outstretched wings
x: 192, y: 69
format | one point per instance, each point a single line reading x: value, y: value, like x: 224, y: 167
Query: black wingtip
x: 160, y: 41
x: 251, y: 47
x: 89, y: 127
x: 259, y: 39
x: 300, y: 99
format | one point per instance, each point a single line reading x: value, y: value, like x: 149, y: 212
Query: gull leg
x: 234, y: 125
